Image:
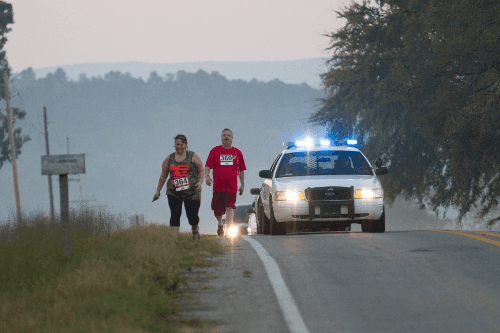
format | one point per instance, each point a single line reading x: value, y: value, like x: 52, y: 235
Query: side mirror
x: 255, y: 191
x: 265, y: 174
x: 378, y: 162
x: 381, y: 171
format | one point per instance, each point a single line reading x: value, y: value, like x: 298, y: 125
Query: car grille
x: 328, y: 193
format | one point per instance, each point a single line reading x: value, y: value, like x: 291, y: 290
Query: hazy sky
x: 63, y: 32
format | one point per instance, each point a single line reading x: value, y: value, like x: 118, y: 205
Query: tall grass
x: 31, y: 251
x: 117, y: 278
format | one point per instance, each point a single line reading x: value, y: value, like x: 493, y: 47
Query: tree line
x: 7, y: 18
x: 418, y: 81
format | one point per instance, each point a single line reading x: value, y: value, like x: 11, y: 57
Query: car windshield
x: 314, y: 163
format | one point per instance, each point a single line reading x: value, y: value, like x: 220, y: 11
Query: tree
x: 154, y: 78
x: 6, y: 18
x: 19, y: 140
x: 418, y: 80
x: 27, y: 74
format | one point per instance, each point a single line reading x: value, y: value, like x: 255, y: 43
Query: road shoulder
x: 234, y: 295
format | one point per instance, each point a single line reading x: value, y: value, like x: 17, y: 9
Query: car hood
x: 301, y: 183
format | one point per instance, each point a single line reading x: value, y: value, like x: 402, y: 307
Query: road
x: 398, y: 281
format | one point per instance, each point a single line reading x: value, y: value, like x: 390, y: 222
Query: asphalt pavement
x: 397, y: 281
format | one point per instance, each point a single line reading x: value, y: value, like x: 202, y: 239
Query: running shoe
x: 196, y: 233
x: 220, y: 230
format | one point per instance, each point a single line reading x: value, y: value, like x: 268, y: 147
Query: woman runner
x: 184, y: 185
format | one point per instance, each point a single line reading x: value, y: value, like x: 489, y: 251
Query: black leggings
x: 192, y: 207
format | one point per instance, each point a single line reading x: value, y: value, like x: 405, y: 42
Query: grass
x: 116, y: 278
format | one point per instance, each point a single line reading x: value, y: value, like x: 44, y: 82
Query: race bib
x: 181, y: 183
x: 180, y: 177
x: 226, y: 159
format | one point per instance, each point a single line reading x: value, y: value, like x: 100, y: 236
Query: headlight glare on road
x: 233, y: 231
x: 289, y: 196
x: 368, y: 194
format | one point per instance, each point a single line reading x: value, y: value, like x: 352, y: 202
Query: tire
x: 375, y: 226
x: 264, y: 221
x: 379, y: 225
x: 275, y: 227
x: 258, y: 219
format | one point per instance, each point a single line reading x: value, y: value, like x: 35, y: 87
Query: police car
x: 320, y: 186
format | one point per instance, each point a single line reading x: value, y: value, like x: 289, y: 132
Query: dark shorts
x: 221, y: 200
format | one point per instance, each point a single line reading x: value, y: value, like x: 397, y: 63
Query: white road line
x: 287, y: 304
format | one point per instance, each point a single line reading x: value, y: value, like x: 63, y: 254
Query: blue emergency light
x: 325, y: 143
x: 352, y: 142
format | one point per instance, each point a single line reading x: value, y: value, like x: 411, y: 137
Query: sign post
x: 63, y: 165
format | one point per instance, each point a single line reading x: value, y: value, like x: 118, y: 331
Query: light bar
x: 352, y: 142
x: 306, y: 143
x: 325, y: 143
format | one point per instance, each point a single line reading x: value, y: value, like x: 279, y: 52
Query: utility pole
x: 51, y: 196
x: 12, y: 146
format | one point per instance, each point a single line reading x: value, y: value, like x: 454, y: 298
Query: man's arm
x: 241, y: 172
x: 207, y: 176
x: 201, y: 174
x: 242, y: 181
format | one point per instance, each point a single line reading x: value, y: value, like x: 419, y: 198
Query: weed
x: 116, y: 278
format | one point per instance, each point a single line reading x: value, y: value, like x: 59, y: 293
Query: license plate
x: 329, y: 211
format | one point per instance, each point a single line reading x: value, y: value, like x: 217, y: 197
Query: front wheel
x: 264, y: 221
x: 258, y: 219
x: 276, y: 228
x: 375, y: 226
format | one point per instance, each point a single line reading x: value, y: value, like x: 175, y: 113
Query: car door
x: 267, y: 186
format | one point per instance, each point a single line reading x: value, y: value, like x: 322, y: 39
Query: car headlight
x: 368, y: 194
x: 289, y: 196
x: 233, y: 231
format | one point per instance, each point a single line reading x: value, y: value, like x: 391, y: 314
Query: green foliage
x: 418, y: 80
x: 19, y: 140
x: 6, y: 18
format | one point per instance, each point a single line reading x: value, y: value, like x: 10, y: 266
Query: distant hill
x: 125, y: 126
x: 293, y: 71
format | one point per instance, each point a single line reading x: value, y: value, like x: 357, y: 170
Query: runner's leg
x: 229, y: 201
x: 174, y: 231
x: 175, y: 205
x: 192, y: 207
x: 229, y: 215
x: 218, y: 206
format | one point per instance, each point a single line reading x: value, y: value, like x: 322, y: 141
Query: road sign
x: 63, y: 164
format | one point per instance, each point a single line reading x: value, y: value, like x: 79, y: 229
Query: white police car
x: 320, y: 187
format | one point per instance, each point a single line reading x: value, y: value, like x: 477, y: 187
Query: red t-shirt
x: 226, y: 163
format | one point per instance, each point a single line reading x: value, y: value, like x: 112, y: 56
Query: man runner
x: 227, y: 163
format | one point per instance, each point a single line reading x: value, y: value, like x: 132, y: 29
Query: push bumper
x: 347, y: 208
